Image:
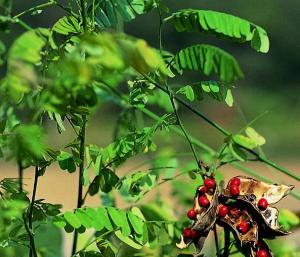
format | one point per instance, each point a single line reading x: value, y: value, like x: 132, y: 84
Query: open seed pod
x: 205, y: 219
x: 258, y: 196
x: 241, y: 223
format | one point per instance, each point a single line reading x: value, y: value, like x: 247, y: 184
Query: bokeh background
x: 271, y: 86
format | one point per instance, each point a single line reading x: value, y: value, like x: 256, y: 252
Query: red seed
x: 243, y: 227
x: 203, y: 201
x: 235, y: 212
x: 194, y: 234
x: 235, y: 181
x: 262, y: 253
x: 262, y: 204
x: 202, y: 190
x: 234, y: 190
x: 258, y: 245
x: 187, y: 233
x: 210, y: 183
x: 192, y: 214
x: 222, y: 211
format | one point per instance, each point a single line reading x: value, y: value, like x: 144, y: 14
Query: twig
x: 226, y: 242
x: 20, y: 173
x: 35, y: 8
x: 80, y: 176
x: 31, y: 238
x: 36, y: 176
x: 216, y: 239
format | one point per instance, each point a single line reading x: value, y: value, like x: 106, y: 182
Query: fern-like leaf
x: 108, y: 12
x: 221, y: 24
x: 210, y: 60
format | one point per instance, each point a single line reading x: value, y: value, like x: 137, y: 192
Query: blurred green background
x: 271, y: 80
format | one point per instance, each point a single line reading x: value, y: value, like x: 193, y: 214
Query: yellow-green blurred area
x: 271, y: 90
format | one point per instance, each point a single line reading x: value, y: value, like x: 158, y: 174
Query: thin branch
x: 201, y: 145
x: 226, y: 242
x: 30, y: 214
x: 20, y: 174
x: 216, y: 239
x: 80, y: 175
x: 35, y: 8
x: 31, y: 238
x: 226, y: 133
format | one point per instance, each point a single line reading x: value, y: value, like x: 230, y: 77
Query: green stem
x: 216, y: 239
x: 20, y: 174
x: 80, y: 177
x: 31, y: 238
x: 35, y: 8
x: 195, y: 141
x: 226, y: 133
x: 226, y: 242
x: 83, y: 14
x: 36, y: 176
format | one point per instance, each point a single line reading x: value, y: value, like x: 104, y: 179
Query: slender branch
x: 83, y: 14
x: 226, y: 242
x: 195, y: 141
x: 80, y: 177
x: 226, y: 133
x: 35, y: 8
x: 31, y: 238
x: 216, y: 239
x: 20, y: 174
x: 36, y: 176
x: 182, y: 127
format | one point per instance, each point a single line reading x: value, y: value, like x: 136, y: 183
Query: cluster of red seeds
x: 243, y: 227
x: 209, y: 184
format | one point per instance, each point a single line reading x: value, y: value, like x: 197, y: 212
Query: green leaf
x: 136, y: 223
x: 244, y: 141
x: 72, y: 219
x: 108, y: 13
x: 120, y: 219
x: 209, y: 60
x: 221, y: 24
x: 28, y: 140
x: 67, y: 25
x: 66, y: 162
x: 257, y: 138
x: 188, y: 92
x: 127, y: 240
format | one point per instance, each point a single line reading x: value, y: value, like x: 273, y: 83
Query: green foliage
x: 218, y: 91
x: 209, y: 60
x: 61, y: 75
x: 221, y: 24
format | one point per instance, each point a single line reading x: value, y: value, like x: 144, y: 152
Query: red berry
x: 202, y: 190
x: 192, y: 214
x: 210, y: 183
x: 234, y: 190
x: 235, y: 181
x: 194, y: 234
x: 187, y: 233
x: 235, y: 212
x: 258, y: 245
x: 203, y: 201
x: 243, y: 227
x: 262, y: 204
x: 223, y: 210
x: 262, y: 253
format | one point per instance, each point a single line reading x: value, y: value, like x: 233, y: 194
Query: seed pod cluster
x: 245, y: 207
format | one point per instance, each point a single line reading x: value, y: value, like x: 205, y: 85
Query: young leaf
x: 257, y: 138
x: 128, y: 240
x: 209, y: 60
x: 221, y: 24
x: 72, y: 219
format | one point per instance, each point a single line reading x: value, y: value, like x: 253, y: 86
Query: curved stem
x: 195, y: 141
x: 80, y: 176
x: 35, y: 8
x: 226, y: 242
x: 226, y: 133
x: 36, y: 176
x: 31, y: 238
